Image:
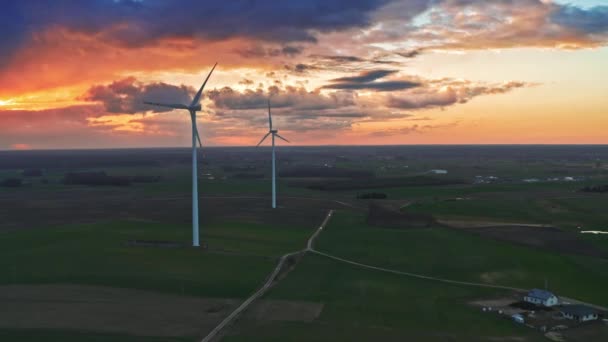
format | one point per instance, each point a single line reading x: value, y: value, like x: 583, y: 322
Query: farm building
x: 541, y: 297
x: 439, y: 172
x: 578, y: 312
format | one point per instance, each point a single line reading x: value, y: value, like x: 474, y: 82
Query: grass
x: 453, y: 254
x: 568, y: 212
x: 35, y: 335
x: 240, y: 257
x: 363, y: 305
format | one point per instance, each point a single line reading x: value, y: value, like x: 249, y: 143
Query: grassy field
x: 245, y: 239
x: 240, y: 257
x: 587, y: 210
x: 361, y: 304
x: 458, y: 255
x: 364, y: 305
x: 29, y: 335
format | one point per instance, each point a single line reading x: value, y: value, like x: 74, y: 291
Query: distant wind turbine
x: 274, y: 133
x: 194, y: 107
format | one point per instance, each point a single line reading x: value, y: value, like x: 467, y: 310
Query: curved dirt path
x: 269, y: 282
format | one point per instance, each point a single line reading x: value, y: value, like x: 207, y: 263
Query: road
x: 310, y: 248
x: 269, y: 282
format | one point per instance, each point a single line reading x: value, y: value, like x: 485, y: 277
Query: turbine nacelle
x: 194, y: 107
x: 274, y: 131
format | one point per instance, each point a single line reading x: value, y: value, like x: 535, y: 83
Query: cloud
x: 474, y: 24
x: 368, y: 80
x: 366, y: 76
x: 291, y: 97
x: 445, y: 93
x: 260, y: 51
x: 137, y: 23
x: 128, y: 95
x: 52, y: 126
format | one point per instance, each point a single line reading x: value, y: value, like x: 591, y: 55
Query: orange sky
x: 441, y: 80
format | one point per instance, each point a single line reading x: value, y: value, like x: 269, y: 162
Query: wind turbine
x: 274, y: 133
x: 194, y: 107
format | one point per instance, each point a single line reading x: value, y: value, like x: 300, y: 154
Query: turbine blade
x: 197, y: 98
x: 269, y: 116
x: 280, y: 137
x: 198, y: 137
x: 168, y: 105
x: 264, y: 138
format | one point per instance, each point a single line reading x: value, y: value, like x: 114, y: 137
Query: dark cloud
x: 300, y: 68
x: 292, y: 51
x: 260, y: 51
x: 367, y: 80
x: 366, y: 76
x: 377, y: 86
x: 449, y: 94
x: 134, y: 23
x: 127, y: 96
x: 337, y: 58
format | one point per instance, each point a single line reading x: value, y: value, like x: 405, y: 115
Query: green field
x: 361, y: 304
x: 240, y: 257
x: 453, y: 254
x: 246, y: 238
x: 31, y: 335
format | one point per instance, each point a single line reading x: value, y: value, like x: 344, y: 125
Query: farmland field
x: 56, y: 236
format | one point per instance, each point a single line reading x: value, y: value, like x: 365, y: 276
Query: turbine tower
x: 194, y: 107
x: 274, y: 133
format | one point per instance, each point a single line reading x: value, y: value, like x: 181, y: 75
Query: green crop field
x: 361, y: 304
x: 367, y: 304
x: 240, y: 257
x: 453, y: 254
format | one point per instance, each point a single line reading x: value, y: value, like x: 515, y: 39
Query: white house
x: 578, y: 312
x: 541, y: 297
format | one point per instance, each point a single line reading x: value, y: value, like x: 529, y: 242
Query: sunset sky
x: 73, y: 74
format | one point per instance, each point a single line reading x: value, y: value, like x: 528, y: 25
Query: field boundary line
x: 415, y: 275
x: 269, y: 282
x: 566, y: 300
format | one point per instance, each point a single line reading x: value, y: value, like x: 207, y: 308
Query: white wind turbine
x: 274, y: 133
x: 194, y: 107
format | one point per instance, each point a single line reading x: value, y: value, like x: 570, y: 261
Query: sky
x: 74, y: 74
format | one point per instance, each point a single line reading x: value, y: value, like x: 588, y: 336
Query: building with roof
x: 541, y: 297
x: 579, y: 312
